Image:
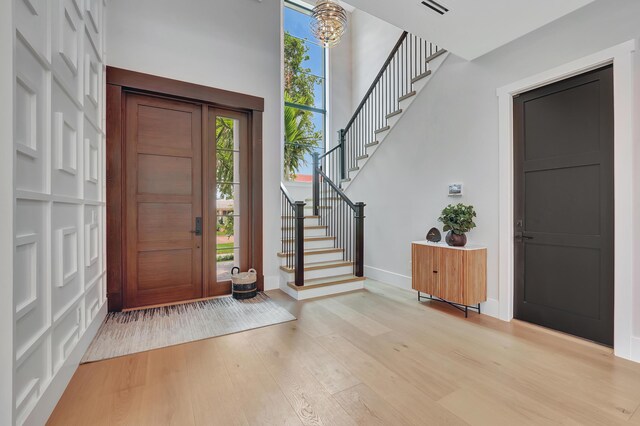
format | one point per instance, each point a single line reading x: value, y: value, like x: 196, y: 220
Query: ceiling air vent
x: 436, y: 7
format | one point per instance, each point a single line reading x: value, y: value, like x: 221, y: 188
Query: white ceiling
x: 471, y: 28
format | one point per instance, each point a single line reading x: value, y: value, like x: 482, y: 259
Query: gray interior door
x: 564, y: 206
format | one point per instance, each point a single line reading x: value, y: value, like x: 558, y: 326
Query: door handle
x: 520, y: 235
x: 198, y: 230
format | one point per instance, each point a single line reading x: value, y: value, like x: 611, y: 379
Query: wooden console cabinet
x: 457, y: 275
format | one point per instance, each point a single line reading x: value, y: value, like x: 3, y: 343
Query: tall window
x: 304, y: 94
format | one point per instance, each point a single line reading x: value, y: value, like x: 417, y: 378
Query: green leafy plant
x: 458, y: 218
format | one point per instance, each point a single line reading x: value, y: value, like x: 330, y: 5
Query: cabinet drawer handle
x: 435, y: 272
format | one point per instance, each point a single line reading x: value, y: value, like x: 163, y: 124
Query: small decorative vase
x: 456, y: 240
x: 434, y: 235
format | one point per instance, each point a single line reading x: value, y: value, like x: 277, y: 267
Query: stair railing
x: 407, y: 63
x: 343, y: 218
x: 292, y: 217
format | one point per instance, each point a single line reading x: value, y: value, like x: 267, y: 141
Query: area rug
x: 124, y: 333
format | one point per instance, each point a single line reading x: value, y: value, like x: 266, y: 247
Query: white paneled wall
x: 59, y: 181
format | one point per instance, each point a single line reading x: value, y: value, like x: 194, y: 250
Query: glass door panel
x: 228, y: 143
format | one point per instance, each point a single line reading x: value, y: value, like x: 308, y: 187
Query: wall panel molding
x: 58, y: 245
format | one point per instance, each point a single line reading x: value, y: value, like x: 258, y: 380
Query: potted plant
x: 458, y: 220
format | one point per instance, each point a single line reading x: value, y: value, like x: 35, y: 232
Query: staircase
x: 320, y: 253
x: 322, y: 248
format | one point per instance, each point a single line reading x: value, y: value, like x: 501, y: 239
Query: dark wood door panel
x: 154, y: 134
x: 564, y: 206
x: 162, y: 269
x: 164, y: 198
x: 163, y: 174
x: 165, y: 222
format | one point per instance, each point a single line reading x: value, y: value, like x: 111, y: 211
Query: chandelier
x: 329, y: 22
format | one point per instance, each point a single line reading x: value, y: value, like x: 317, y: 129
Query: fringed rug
x: 124, y: 333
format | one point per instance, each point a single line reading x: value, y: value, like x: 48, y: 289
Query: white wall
x: 6, y: 212
x: 371, y: 42
x: 232, y: 45
x: 340, y: 83
x: 450, y: 135
x: 635, y: 344
x: 58, y: 257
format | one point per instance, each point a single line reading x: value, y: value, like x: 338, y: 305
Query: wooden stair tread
x: 311, y: 252
x: 362, y: 157
x: 370, y: 144
x: 327, y: 281
x: 394, y: 113
x: 314, y: 266
x: 435, y: 55
x: 383, y: 129
x: 407, y: 96
x: 288, y: 228
x: 319, y: 238
x: 421, y: 76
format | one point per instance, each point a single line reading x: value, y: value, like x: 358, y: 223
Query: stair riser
x: 319, y: 232
x: 324, y: 257
x: 309, y: 245
x: 321, y: 273
x: 308, y: 220
x: 407, y: 102
x: 322, y: 291
x: 419, y: 85
x: 393, y: 120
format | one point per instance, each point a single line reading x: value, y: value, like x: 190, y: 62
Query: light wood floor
x: 373, y: 357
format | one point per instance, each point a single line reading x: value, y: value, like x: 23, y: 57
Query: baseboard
x: 52, y: 394
x: 491, y: 308
x: 388, y: 277
x: 635, y: 349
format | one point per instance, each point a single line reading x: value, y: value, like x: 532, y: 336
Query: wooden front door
x: 163, y: 157
x: 564, y: 206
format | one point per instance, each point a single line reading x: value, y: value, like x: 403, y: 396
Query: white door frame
x: 621, y: 56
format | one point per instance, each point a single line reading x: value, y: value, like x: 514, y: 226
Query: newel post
x: 316, y: 183
x: 343, y: 159
x: 359, y: 244
x: 299, y: 243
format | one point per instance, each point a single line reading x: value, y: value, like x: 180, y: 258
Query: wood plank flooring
x: 372, y: 357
